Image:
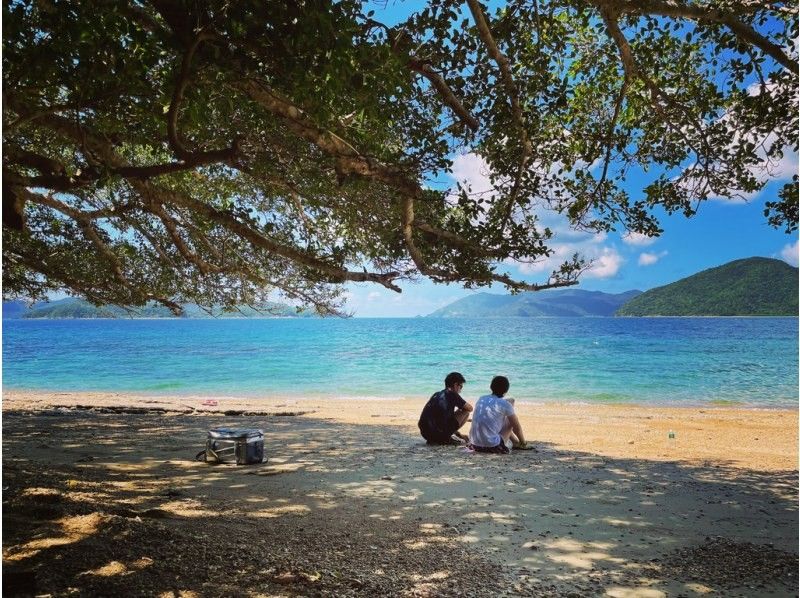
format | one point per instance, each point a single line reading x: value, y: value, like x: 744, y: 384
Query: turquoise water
x: 750, y: 361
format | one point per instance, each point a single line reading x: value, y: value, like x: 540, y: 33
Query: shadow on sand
x: 114, y: 504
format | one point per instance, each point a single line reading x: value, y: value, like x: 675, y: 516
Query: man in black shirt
x: 445, y: 412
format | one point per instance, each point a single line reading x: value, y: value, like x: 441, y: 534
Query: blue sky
x: 721, y: 231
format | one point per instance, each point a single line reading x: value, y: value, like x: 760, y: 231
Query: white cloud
x: 767, y: 168
x: 373, y: 296
x: 638, y: 239
x: 606, y: 261
x: 789, y: 253
x: 606, y: 265
x: 472, y: 171
x: 786, y: 167
x: 648, y: 259
x: 561, y: 253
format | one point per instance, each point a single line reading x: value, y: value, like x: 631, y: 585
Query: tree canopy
x: 216, y: 152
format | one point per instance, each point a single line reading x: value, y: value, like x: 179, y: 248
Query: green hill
x: 565, y: 303
x: 77, y: 308
x: 72, y: 308
x: 755, y: 286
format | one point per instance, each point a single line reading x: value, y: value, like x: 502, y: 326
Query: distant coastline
x: 752, y: 287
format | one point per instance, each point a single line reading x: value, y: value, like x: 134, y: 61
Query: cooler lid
x: 234, y: 433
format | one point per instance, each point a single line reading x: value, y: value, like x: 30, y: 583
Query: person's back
x: 488, y: 420
x: 494, y: 420
x: 437, y: 411
x: 445, y: 412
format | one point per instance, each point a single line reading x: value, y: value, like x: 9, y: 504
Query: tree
x: 214, y: 152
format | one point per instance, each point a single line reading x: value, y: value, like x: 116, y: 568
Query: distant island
x: 755, y: 286
x: 73, y: 308
x: 563, y: 303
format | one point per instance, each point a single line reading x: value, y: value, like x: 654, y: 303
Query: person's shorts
x: 500, y: 449
x: 441, y: 436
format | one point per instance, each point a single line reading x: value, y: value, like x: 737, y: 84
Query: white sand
x: 352, y: 502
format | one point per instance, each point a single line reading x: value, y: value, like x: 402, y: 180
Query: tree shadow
x: 114, y: 503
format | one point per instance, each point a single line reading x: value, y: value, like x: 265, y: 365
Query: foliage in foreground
x: 216, y: 152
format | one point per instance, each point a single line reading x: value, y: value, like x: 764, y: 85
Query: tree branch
x: 511, y: 88
x: 16, y: 155
x: 39, y: 264
x: 426, y: 70
x: 92, y: 235
x: 704, y: 14
x: 335, y: 274
x: 153, y: 193
x: 162, y: 254
x: 524, y: 286
x: 413, y: 250
x: 177, y: 96
x: 172, y: 229
x: 439, y: 84
x: 632, y: 70
x: 172, y: 115
x: 454, y: 239
x: 612, y: 125
x: 348, y: 159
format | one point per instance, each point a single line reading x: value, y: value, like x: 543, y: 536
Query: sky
x: 723, y: 230
x: 720, y: 232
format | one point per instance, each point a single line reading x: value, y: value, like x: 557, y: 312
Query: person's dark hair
x: 500, y: 385
x: 453, y: 378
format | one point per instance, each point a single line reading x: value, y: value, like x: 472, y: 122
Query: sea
x: 650, y: 361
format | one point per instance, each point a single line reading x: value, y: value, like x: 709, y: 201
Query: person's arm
x: 516, y: 428
x: 461, y: 404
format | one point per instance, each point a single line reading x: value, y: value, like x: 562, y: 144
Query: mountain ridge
x: 755, y: 286
x: 74, y: 308
x: 555, y: 303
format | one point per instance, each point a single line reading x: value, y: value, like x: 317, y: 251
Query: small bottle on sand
x: 671, y: 435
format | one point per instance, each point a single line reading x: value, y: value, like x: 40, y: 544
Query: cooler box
x: 244, y: 446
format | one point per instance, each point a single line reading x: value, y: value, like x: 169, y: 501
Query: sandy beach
x: 101, y: 496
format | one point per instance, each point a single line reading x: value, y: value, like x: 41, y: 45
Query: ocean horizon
x: 650, y: 361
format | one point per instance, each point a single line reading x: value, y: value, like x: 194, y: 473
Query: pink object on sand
x: 210, y: 403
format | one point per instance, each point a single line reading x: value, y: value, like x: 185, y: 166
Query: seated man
x: 494, y: 421
x: 445, y: 412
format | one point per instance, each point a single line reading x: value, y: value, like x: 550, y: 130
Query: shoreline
x: 259, y: 396
x: 737, y: 436
x: 173, y: 318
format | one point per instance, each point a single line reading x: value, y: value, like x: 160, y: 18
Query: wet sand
x: 101, y: 494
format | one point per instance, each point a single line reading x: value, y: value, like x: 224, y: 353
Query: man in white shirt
x: 494, y: 420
